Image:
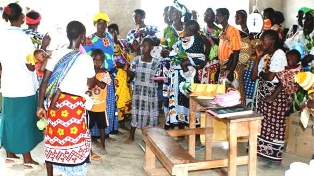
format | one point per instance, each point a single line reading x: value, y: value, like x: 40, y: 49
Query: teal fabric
x: 18, y: 131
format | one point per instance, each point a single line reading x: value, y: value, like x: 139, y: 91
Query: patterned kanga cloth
x: 286, y: 77
x: 67, y: 139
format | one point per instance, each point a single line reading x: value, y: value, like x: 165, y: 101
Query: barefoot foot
x: 129, y: 140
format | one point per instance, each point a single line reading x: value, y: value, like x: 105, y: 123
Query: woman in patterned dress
x: 144, y: 98
x: 269, y: 61
x: 211, y: 31
x: 245, y: 52
x: 177, y: 105
x: 67, y: 138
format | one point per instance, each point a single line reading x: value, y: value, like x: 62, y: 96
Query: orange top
x: 230, y: 40
x: 99, y: 96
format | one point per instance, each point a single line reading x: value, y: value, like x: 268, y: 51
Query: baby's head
x: 191, y: 28
x: 40, y: 55
x: 293, y: 57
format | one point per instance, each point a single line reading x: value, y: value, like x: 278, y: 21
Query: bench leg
x: 181, y: 171
x: 150, y: 158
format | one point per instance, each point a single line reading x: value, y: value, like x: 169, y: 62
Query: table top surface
x: 206, y: 103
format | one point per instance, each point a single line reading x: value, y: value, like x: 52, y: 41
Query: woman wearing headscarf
x: 303, y: 41
x: 177, y: 100
x: 103, y: 40
x: 19, y: 134
x: 39, y: 40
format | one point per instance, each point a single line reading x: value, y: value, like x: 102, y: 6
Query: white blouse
x: 277, y: 63
x: 75, y: 81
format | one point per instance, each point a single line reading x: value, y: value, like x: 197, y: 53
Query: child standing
x: 99, y: 95
x: 194, y: 43
x: 144, y: 98
x: 286, y: 77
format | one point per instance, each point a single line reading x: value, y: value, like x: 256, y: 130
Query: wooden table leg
x: 192, y: 137
x: 253, y: 125
x: 208, y: 137
x: 233, y: 146
x: 192, y: 125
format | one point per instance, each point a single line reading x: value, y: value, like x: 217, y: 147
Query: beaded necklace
x: 223, y: 35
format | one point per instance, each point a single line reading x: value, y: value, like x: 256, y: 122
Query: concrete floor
x: 127, y: 160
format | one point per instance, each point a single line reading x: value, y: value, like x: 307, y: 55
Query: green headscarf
x: 304, y: 9
x: 310, y: 11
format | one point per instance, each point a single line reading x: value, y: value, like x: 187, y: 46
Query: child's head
x: 98, y: 58
x: 40, y: 55
x: 156, y: 41
x: 113, y: 29
x: 147, y: 45
x: 191, y: 28
x: 293, y: 57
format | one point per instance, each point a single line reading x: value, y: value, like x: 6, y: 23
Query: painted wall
x: 120, y: 12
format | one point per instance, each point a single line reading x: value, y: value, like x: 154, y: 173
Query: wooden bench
x: 175, y: 159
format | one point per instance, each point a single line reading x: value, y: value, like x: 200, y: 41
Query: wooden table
x: 238, y: 126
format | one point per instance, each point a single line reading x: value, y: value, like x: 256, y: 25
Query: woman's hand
x: 307, y: 104
x: 41, y: 113
x: 115, y: 37
x: 120, y: 65
x: 259, y: 51
x: 164, y: 52
x: 45, y: 41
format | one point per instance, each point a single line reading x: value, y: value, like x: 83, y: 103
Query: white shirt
x: 75, y: 80
x: 277, y: 63
x: 16, y: 79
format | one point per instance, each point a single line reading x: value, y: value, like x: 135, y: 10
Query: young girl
x: 144, y: 100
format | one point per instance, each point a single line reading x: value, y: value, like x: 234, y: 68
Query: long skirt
x: 178, y: 100
x: 67, y: 138
x: 123, y: 94
x: 18, y: 132
x: 271, y: 142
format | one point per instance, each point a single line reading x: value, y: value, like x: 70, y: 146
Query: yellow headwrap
x: 31, y: 59
x: 101, y: 16
x: 305, y: 80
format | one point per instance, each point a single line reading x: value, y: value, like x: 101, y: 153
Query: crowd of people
x: 91, y: 87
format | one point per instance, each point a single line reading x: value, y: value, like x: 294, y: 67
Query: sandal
x: 31, y: 167
x: 95, y: 157
x: 9, y: 162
